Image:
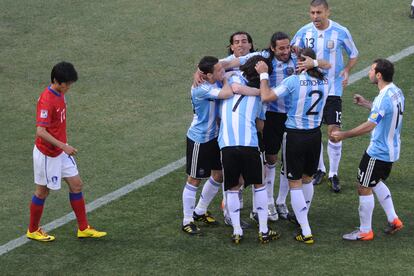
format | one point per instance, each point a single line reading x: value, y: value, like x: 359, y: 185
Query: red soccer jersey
x: 51, y: 114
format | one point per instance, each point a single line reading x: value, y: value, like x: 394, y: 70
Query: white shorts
x: 49, y: 171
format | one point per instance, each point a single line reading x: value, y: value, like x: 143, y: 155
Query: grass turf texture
x: 128, y: 115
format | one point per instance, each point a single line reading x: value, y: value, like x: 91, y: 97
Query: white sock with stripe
x: 233, y: 205
x: 334, y: 153
x: 366, y: 208
x: 189, y: 200
x: 283, y: 189
x: 261, y: 205
x: 270, y: 172
x: 384, y: 197
x: 209, y: 191
x: 308, y: 193
x: 300, y: 209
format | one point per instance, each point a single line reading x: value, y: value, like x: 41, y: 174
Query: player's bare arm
x: 362, y: 129
x: 310, y: 63
x: 226, y: 91
x: 266, y: 93
x: 361, y: 101
x: 345, y: 73
x: 245, y: 90
x: 42, y: 133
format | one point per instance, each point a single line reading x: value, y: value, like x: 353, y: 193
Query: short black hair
x: 249, y: 70
x: 63, y: 72
x: 315, y: 3
x: 386, y: 68
x: 206, y: 64
x: 249, y: 39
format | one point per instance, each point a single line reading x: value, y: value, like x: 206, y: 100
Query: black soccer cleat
x: 318, y: 177
x: 191, y: 229
x: 207, y: 218
x: 269, y: 236
x: 334, y: 183
x: 236, y: 238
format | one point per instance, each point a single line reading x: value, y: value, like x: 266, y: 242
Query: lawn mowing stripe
x: 159, y: 173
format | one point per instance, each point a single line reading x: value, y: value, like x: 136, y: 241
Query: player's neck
x: 323, y: 26
x: 56, y: 87
x: 381, y: 84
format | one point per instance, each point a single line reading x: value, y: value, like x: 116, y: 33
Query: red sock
x: 78, y: 206
x: 36, y: 211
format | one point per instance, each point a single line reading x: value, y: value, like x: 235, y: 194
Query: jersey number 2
x: 311, y: 110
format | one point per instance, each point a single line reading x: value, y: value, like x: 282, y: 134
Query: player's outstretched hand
x: 361, y: 101
x: 337, y: 136
x: 69, y: 150
x: 304, y: 65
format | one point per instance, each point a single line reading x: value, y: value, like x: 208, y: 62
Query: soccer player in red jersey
x: 53, y: 157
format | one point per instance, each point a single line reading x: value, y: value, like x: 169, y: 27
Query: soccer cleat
x: 90, y: 232
x: 269, y: 236
x: 191, y: 229
x: 272, y: 213
x: 39, y: 235
x: 394, y: 226
x: 282, y: 211
x: 236, y: 238
x: 318, y: 177
x: 243, y: 224
x: 305, y: 239
x: 207, y: 218
x: 357, y: 235
x: 334, y: 183
x: 254, y: 216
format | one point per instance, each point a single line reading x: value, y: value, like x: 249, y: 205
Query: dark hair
x: 249, y: 70
x: 314, y: 72
x: 315, y: 3
x: 63, y: 72
x: 249, y: 39
x: 206, y: 64
x: 386, y: 68
x: 273, y: 40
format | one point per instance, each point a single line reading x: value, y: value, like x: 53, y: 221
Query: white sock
x: 334, y: 153
x: 412, y: 3
x: 261, y: 205
x: 189, y: 200
x: 241, y: 196
x: 283, y: 189
x: 366, y: 208
x: 254, y: 207
x: 270, y: 172
x: 321, y: 165
x: 233, y: 205
x: 209, y: 191
x: 384, y: 197
x: 308, y: 193
x: 224, y: 202
x: 301, y: 210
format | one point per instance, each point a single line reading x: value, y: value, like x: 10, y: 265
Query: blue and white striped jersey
x: 387, y: 112
x: 328, y: 44
x: 204, y: 125
x: 307, y: 99
x: 238, y: 118
x: 281, y: 70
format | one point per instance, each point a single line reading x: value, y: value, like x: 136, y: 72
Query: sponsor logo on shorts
x: 54, y: 179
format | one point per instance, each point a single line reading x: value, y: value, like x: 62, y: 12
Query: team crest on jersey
x: 54, y: 179
x: 290, y: 70
x: 330, y: 44
x: 43, y: 113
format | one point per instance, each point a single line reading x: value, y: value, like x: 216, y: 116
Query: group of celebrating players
x: 285, y: 92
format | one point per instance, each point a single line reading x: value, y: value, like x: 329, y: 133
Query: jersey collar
x: 53, y: 91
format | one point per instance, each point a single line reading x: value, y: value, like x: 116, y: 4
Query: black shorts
x: 371, y: 171
x: 332, y: 111
x: 274, y: 127
x: 245, y: 161
x: 301, y: 150
x: 202, y: 158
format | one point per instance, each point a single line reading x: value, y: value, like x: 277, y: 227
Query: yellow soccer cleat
x: 39, y: 235
x: 90, y: 232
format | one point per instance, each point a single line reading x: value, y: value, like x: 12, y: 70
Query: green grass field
x: 128, y: 115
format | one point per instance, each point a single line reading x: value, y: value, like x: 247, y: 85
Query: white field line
x: 157, y: 174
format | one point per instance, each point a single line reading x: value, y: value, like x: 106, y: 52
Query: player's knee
x: 193, y: 181
x: 41, y: 191
x: 217, y: 176
x: 364, y: 191
x: 271, y: 159
x: 306, y: 179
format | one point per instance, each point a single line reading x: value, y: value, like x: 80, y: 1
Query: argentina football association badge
x: 290, y: 71
x: 330, y: 44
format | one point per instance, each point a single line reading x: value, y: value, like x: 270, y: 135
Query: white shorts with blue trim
x: 49, y: 171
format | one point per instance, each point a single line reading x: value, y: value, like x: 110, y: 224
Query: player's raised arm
x: 266, y: 93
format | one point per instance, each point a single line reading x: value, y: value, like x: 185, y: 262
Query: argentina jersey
x: 307, y: 99
x: 204, y: 126
x: 328, y: 44
x: 238, y: 118
x: 387, y: 112
x: 281, y: 70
